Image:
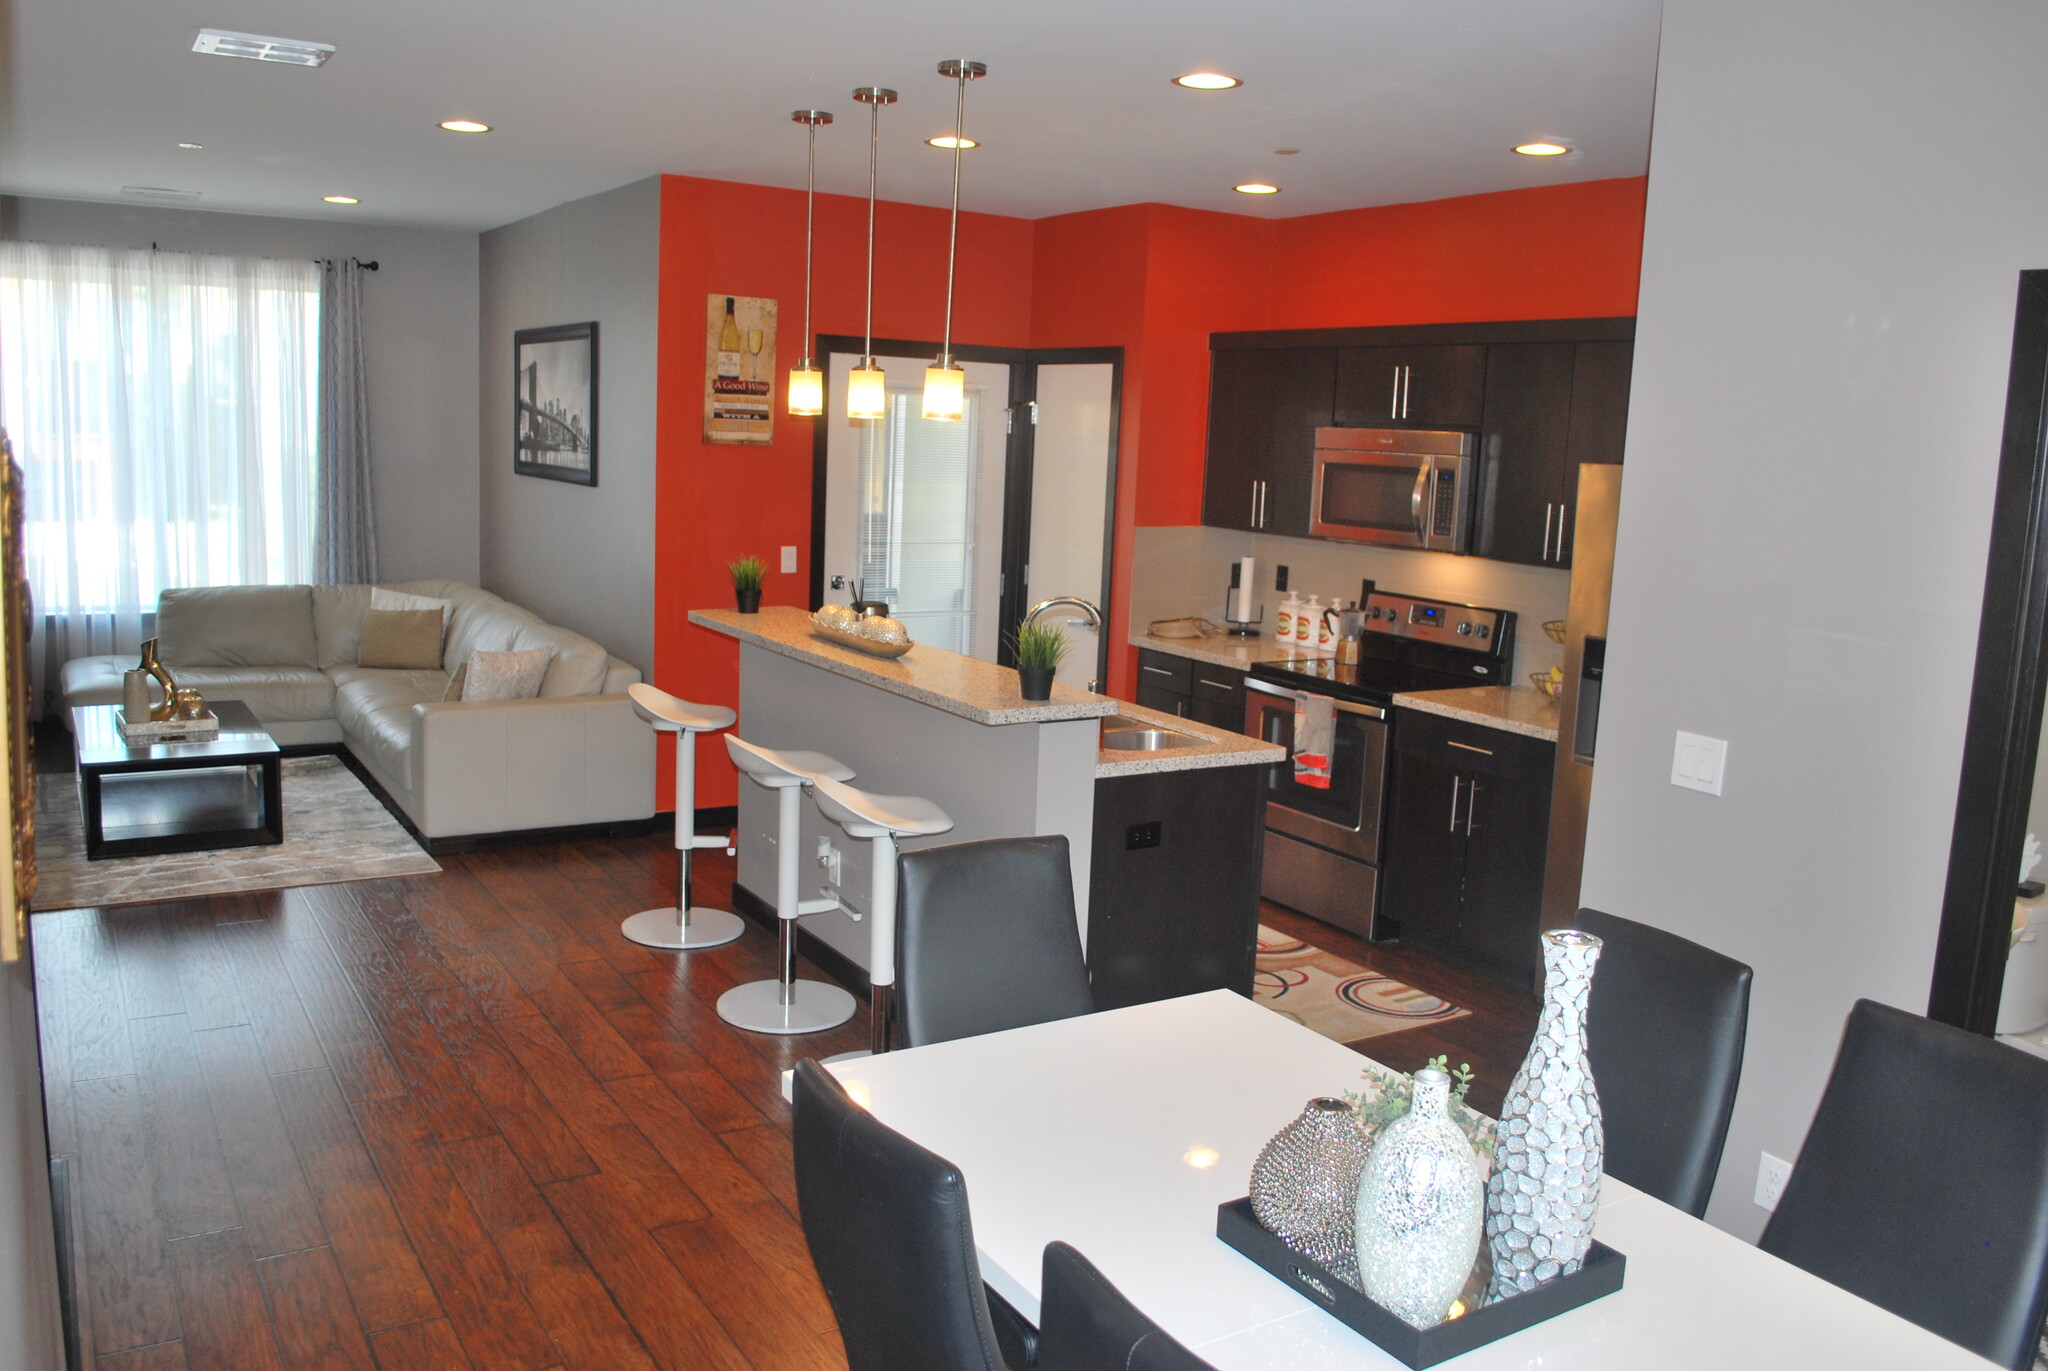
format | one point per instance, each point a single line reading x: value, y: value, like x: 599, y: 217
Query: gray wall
x: 1841, y: 196
x: 578, y: 556
x: 420, y: 323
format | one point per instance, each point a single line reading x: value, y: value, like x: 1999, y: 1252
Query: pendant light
x: 945, y: 384
x: 806, y: 382
x: 867, y: 389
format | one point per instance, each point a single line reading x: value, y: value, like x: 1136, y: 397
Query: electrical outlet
x: 1771, y: 1175
x: 1141, y: 835
x: 1280, y: 578
x: 789, y: 559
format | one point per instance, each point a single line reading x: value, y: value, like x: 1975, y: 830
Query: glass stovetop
x: 1371, y: 681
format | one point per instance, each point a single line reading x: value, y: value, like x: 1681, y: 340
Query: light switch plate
x: 1697, y: 763
x: 789, y: 559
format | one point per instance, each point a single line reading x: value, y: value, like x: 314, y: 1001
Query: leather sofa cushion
x: 578, y: 666
x: 92, y: 680
x: 374, y: 708
x: 289, y: 694
x: 236, y: 626
x: 338, y: 622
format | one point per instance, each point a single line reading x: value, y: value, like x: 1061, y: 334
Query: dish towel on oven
x: 1315, y: 726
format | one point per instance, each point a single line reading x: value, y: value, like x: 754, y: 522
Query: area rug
x: 334, y: 830
x: 1336, y: 998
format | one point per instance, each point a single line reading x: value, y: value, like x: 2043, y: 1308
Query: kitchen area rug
x: 334, y: 830
x: 1337, y: 998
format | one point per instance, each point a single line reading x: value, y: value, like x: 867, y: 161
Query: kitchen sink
x: 1121, y: 734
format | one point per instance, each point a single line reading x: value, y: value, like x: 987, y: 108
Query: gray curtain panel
x: 345, y: 545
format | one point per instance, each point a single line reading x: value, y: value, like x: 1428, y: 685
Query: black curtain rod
x: 366, y: 266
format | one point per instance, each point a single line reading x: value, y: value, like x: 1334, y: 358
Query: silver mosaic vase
x: 1305, y: 1183
x: 1545, y: 1187
x: 1420, y: 1207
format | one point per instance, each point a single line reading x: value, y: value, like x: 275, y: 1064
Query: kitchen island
x: 952, y: 729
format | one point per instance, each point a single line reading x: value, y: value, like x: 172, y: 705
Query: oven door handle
x: 1342, y: 706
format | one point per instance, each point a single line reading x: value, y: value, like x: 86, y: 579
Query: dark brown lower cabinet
x: 1195, y: 690
x: 1462, y: 870
x: 1173, y: 895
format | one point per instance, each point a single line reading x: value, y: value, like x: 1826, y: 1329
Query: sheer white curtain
x: 163, y: 409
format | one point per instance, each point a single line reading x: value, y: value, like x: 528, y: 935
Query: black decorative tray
x: 1412, y: 1346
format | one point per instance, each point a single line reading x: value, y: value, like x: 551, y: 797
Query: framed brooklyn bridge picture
x: 554, y: 403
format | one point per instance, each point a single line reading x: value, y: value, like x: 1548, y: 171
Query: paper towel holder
x: 1239, y: 628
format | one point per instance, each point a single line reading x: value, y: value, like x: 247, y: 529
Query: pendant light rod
x: 811, y: 119
x: 961, y: 71
x: 874, y: 97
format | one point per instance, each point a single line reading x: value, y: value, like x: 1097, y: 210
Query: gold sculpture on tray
x: 168, y: 709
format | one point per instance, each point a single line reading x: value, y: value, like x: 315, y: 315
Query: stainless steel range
x: 1323, y: 846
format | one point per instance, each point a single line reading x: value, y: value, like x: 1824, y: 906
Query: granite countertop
x: 1217, y: 747
x: 1221, y: 650
x: 965, y: 686
x: 1513, y: 709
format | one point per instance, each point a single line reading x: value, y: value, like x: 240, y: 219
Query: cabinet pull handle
x: 1156, y: 670
x: 1471, y: 805
x: 1265, y: 499
x: 1220, y: 685
x: 1407, y: 388
x: 1455, y: 783
x: 1563, y: 512
x: 1549, y: 511
x: 1394, y: 402
x: 1482, y: 751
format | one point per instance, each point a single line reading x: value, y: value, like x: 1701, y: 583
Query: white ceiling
x: 1388, y: 100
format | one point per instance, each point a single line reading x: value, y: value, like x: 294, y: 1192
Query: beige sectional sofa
x: 576, y: 755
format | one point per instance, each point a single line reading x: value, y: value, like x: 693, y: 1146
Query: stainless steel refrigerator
x: 1585, y: 662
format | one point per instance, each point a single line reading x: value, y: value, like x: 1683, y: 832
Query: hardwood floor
x: 457, y: 1121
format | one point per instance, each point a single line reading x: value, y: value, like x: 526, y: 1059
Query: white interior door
x: 1070, y: 502
x: 914, y: 507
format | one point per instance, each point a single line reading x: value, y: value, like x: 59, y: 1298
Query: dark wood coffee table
x: 173, y: 796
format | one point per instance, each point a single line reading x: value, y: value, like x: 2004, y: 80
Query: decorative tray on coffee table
x: 142, y: 732
x: 1411, y: 1346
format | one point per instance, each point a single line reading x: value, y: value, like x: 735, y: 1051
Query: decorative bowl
x: 877, y: 635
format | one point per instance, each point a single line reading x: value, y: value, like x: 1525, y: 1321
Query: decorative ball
x: 834, y: 616
x: 883, y: 629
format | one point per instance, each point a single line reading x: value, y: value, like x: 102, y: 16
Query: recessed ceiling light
x: 192, y: 147
x: 947, y: 141
x: 1207, y: 80
x: 341, y: 199
x: 464, y: 126
x: 159, y: 193
x: 1256, y: 188
x: 1542, y: 149
x: 221, y: 43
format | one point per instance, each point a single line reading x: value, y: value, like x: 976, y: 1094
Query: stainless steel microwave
x: 1402, y: 487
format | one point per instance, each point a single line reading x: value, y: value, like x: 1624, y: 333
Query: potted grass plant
x: 747, y: 575
x: 1039, y: 650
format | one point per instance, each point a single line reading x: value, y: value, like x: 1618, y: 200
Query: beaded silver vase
x: 1420, y: 1206
x: 1545, y: 1186
x: 1305, y: 1183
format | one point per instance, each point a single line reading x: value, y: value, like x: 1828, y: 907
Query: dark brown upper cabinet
x: 1265, y: 406
x: 1411, y: 387
x: 1524, y: 442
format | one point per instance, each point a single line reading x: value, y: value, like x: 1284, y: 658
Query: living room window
x: 163, y: 408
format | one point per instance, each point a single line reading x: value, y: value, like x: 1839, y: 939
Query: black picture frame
x: 554, y: 403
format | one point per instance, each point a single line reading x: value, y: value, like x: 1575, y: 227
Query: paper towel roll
x: 1244, y: 596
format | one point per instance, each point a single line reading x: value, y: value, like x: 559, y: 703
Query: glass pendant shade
x: 867, y: 391
x: 945, y: 392
x: 806, y: 389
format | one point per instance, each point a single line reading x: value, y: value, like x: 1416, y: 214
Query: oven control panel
x: 1433, y: 621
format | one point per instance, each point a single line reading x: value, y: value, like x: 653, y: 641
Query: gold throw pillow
x: 409, y: 639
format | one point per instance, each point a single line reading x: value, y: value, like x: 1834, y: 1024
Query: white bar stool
x: 786, y: 1004
x: 685, y: 926
x: 882, y: 819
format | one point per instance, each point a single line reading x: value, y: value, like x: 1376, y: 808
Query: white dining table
x: 1121, y: 1132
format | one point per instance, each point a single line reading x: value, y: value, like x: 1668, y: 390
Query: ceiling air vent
x: 221, y: 43
x: 159, y: 193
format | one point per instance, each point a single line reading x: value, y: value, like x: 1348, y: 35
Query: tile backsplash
x: 1186, y: 571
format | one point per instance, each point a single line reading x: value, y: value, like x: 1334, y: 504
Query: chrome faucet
x: 1093, y: 622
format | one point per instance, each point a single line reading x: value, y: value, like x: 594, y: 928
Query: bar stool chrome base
x: 758, y: 1008
x: 706, y: 928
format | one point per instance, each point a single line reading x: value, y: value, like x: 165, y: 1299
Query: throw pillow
x: 380, y: 598
x: 405, y: 638
x: 505, y: 675
x: 456, y: 683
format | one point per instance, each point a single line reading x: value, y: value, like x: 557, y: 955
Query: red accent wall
x: 1153, y: 279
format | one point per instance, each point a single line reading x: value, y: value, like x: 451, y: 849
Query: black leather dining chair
x: 1665, y: 1024
x: 1086, y: 1324
x: 986, y: 939
x: 889, y: 1230
x: 1923, y: 1183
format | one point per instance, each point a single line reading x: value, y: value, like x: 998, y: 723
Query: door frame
x: 1017, y: 467
x: 2003, y: 735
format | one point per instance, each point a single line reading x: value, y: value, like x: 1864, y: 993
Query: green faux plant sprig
x: 747, y: 572
x: 1040, y: 647
x: 1385, y: 1101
